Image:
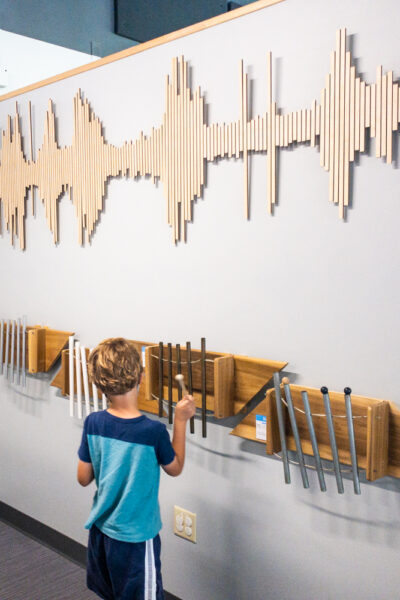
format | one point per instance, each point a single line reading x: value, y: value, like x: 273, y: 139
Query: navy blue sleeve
x: 164, y: 450
x: 83, y: 451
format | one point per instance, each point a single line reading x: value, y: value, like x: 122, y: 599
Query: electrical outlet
x: 185, y: 524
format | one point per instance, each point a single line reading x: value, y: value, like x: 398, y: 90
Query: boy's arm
x: 184, y: 410
x: 85, y: 473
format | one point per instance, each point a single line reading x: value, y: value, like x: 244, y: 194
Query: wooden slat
x: 377, y: 441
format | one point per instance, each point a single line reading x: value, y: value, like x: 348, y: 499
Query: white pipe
x: 78, y: 380
x: 85, y: 380
x: 71, y: 374
x: 104, y: 401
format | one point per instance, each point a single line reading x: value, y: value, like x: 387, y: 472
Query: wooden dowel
x: 322, y: 130
x: 341, y: 141
x: 384, y: 116
x: 395, y: 112
x: 378, y: 111
x: 347, y: 132
x: 332, y: 113
x: 389, y: 117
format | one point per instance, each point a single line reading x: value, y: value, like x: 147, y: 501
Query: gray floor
x: 30, y: 571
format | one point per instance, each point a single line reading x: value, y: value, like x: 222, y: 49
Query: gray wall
x: 334, y: 316
x: 81, y: 25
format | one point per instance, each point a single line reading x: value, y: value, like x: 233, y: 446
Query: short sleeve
x: 164, y: 450
x: 83, y: 452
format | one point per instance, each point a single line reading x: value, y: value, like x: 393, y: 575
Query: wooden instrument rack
x: 232, y: 381
x: 371, y: 419
x: 43, y: 347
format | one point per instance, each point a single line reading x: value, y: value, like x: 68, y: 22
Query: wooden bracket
x: 44, y: 347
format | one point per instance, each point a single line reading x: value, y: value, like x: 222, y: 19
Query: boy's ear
x: 141, y: 377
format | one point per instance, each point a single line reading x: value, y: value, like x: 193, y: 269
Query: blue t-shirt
x: 126, y: 455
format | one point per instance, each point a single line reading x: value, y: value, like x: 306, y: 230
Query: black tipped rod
x: 281, y: 423
x: 18, y: 350
x: 178, y: 368
x: 296, y: 435
x: 352, y: 440
x: 314, y: 442
x: 203, y: 388
x: 170, y: 419
x: 160, y: 378
x: 332, y: 439
x: 190, y: 383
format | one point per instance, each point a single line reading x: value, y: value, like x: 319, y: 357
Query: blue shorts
x: 124, y: 570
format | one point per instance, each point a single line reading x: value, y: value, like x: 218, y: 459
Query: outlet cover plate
x: 185, y: 525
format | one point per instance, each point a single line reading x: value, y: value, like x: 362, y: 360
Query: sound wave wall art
x: 176, y: 153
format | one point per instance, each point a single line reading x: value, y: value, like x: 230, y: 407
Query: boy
x: 122, y: 450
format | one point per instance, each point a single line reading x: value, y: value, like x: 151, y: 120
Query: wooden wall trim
x: 169, y: 37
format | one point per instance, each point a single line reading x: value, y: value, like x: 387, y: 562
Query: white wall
x: 27, y: 60
x: 300, y: 286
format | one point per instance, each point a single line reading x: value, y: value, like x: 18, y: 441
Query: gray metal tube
x: 1, y: 345
x: 7, y: 347
x: 296, y: 435
x: 18, y: 350
x: 24, y: 351
x: 352, y: 440
x: 281, y: 424
x: 332, y: 438
x: 314, y: 442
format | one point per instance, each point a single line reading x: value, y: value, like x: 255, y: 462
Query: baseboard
x: 49, y: 537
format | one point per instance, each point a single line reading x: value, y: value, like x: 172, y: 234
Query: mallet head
x: 180, y: 380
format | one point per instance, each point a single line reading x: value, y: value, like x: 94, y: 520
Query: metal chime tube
x: 71, y: 374
x: 24, y: 350
x: 170, y: 416
x: 178, y: 368
x: 190, y: 383
x: 1, y: 345
x: 296, y: 435
x: 12, y: 349
x: 85, y: 380
x: 160, y: 378
x: 352, y: 441
x: 78, y: 379
x: 281, y: 423
x: 203, y: 388
x: 18, y: 350
x: 7, y: 347
x: 332, y: 439
x: 314, y: 442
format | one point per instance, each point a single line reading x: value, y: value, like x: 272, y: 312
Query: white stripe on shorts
x: 150, y: 581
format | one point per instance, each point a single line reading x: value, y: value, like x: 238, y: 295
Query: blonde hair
x: 115, y: 366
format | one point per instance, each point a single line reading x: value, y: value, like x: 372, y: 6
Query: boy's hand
x: 185, y: 409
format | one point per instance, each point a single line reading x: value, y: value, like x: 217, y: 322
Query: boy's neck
x: 125, y: 406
